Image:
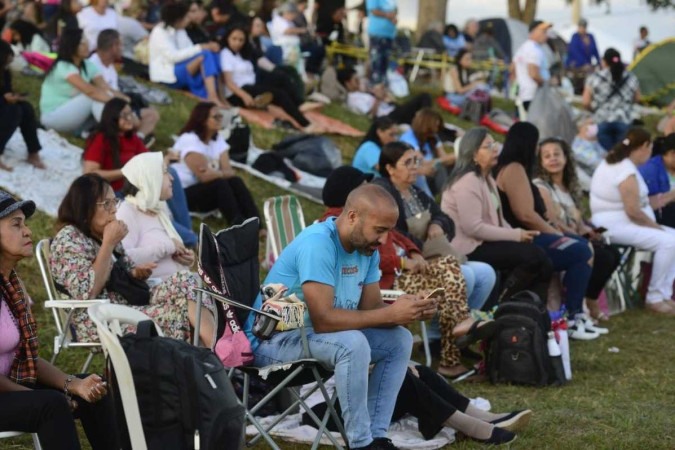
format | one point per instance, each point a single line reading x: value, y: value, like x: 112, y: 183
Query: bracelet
x: 66, y: 383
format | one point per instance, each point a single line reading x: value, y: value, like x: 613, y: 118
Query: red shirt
x: 98, y: 151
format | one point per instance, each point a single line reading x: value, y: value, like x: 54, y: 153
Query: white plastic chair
x: 11, y: 434
x: 109, y: 319
x: 63, y: 309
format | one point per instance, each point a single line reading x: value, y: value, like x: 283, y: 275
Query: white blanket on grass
x: 45, y: 187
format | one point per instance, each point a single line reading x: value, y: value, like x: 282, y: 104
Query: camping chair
x: 11, y: 434
x: 623, y: 288
x: 109, y: 319
x: 284, y: 220
x: 63, y: 310
x: 228, y: 262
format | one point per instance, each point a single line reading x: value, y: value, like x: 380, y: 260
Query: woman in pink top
x: 472, y: 201
x: 37, y: 397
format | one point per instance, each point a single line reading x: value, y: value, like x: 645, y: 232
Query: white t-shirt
x: 606, y: 204
x: 529, y: 53
x: 108, y: 73
x: 362, y: 103
x: 243, y: 72
x: 190, y: 142
x: 93, y: 23
x: 277, y: 27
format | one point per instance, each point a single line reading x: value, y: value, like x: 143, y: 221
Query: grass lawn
x: 623, y: 400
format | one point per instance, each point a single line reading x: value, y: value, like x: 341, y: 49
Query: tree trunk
x: 429, y: 11
x: 525, y: 14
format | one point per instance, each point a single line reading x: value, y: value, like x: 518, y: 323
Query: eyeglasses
x: 217, y: 116
x: 129, y: 115
x: 110, y: 204
x: 494, y: 145
x: 412, y: 162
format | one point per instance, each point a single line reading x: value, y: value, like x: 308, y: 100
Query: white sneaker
x: 589, y: 325
x: 576, y: 330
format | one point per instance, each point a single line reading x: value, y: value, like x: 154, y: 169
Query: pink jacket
x: 468, y: 202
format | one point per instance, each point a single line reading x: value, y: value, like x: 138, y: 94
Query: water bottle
x: 556, y: 357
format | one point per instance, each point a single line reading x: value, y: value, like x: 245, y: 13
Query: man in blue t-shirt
x: 333, y: 267
x: 381, y: 33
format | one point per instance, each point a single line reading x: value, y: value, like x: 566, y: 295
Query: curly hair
x: 570, y: 180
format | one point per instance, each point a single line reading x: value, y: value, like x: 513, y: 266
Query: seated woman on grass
x: 383, y: 131
x: 113, y: 144
x: 242, y: 88
x: 177, y: 62
x: 74, y: 91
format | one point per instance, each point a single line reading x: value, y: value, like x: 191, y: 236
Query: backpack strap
x: 146, y: 329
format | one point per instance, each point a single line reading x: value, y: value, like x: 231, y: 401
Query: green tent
x: 655, y: 68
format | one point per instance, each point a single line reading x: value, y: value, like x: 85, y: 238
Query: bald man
x: 333, y: 266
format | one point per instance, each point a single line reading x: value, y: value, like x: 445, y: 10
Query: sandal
x: 480, y: 329
x: 594, y: 311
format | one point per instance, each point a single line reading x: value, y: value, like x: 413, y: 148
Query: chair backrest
x: 42, y: 255
x: 109, y: 319
x: 232, y: 252
x: 284, y: 220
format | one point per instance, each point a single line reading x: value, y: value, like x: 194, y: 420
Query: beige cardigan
x: 468, y: 202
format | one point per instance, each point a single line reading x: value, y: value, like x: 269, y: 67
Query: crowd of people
x: 481, y: 221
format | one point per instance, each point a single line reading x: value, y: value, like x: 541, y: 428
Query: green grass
x: 622, y: 400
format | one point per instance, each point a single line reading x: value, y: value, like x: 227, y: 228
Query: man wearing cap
x: 531, y: 64
x: 382, y: 22
x: 333, y: 267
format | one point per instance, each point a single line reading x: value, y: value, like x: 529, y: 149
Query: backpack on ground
x: 185, y: 398
x: 477, y: 104
x: 518, y: 351
x: 317, y: 155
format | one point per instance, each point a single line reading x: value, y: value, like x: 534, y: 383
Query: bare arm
x: 553, y: 211
x: 236, y: 90
x: 199, y: 165
x: 456, y: 82
x: 515, y: 184
x: 88, y: 89
x: 225, y: 165
x: 587, y: 97
x: 533, y: 71
x: 630, y: 196
x: 658, y: 201
x: 102, y: 266
x: 100, y: 83
x: 7, y: 385
x: 326, y: 318
x: 108, y: 175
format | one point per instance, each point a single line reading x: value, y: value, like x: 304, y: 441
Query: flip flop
x: 477, y: 332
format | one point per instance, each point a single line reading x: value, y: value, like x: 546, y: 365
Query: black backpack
x: 518, y: 351
x: 184, y: 395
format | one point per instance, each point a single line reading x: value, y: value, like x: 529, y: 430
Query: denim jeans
x: 569, y: 254
x: 610, y: 133
x: 367, y: 402
x: 179, y: 210
x: 380, y: 51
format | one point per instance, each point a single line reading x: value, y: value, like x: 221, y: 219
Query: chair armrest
x: 391, y: 293
x: 65, y: 304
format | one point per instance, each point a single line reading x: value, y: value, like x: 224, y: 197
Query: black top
x: 6, y: 86
x: 510, y: 217
x: 437, y: 216
x: 197, y: 34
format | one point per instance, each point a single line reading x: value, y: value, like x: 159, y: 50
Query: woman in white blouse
x: 177, y: 62
x: 204, y: 168
x: 620, y: 203
x: 241, y: 85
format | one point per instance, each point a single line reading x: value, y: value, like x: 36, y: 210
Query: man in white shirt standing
x: 109, y: 50
x: 531, y: 64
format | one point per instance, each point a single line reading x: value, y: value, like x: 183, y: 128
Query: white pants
x: 73, y: 114
x: 662, y: 243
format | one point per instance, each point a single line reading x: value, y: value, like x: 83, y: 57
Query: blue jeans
x: 570, y: 254
x: 610, y: 133
x: 380, y: 51
x: 179, y: 210
x: 367, y: 402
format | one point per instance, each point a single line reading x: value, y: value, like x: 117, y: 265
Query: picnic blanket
x: 266, y: 119
x: 45, y: 187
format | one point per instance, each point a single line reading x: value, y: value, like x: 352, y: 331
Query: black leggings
x: 527, y: 266
x: 229, y: 195
x: 405, y: 112
x: 282, y: 99
x: 19, y: 115
x: 605, y: 261
x: 429, y: 398
x: 46, y: 412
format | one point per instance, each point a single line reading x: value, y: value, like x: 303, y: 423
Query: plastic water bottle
x: 556, y: 357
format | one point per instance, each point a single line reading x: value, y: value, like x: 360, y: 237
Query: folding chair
x: 228, y: 262
x: 109, y: 319
x: 11, y: 434
x: 623, y: 288
x: 284, y: 220
x: 63, y: 310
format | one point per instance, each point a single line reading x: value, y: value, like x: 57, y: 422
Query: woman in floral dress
x: 83, y: 253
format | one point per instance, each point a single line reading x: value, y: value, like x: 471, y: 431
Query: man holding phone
x: 333, y: 267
